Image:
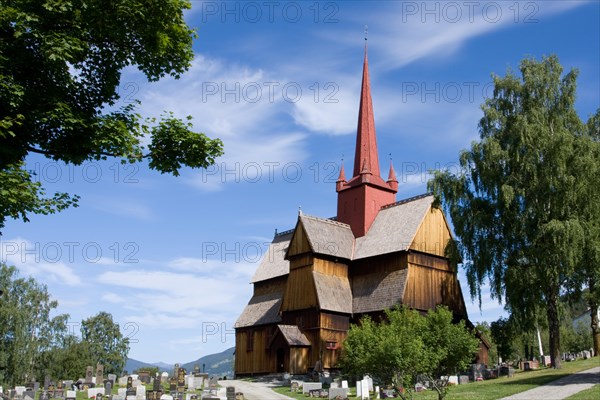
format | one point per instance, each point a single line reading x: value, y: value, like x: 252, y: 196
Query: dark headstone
x: 99, y: 374
x: 173, y: 384
x: 181, y: 377
x: 230, y: 393
x: 130, y: 392
x: 107, y: 387
x: 36, y: 386
x: 153, y: 395
x: 46, y: 382
x: 294, y: 386
x: 156, y: 386
x: 129, y: 382
x: 44, y: 395
x: 89, y: 371
x: 29, y: 394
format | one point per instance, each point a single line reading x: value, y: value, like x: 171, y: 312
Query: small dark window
x: 331, y: 344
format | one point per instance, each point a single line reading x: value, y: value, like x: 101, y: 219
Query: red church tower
x: 361, y: 198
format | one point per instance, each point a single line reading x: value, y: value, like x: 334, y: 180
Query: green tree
x: 68, y: 359
x: 517, y: 203
x: 105, y: 342
x: 27, y: 330
x: 60, y: 68
x: 449, y: 348
x: 484, y: 328
x: 503, y: 334
x: 407, y: 344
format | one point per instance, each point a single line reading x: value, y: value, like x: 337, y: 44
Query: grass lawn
x: 497, y: 388
x: 590, y: 394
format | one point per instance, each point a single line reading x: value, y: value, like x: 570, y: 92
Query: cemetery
x: 180, y: 385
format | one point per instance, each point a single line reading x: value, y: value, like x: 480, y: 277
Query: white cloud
x: 39, y: 260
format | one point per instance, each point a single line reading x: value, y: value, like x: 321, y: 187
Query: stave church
x: 326, y: 273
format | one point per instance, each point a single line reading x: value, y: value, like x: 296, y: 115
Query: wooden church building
x: 317, y: 279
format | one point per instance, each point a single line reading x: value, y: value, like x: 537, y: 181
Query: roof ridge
x: 328, y: 220
x: 407, y: 200
x: 278, y: 234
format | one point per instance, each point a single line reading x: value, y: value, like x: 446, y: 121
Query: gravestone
x: 342, y: 392
x: 99, y: 374
x: 44, y: 395
x: 51, y: 390
x: 334, y: 385
x: 294, y: 386
x: 99, y: 396
x: 176, y: 370
x: 71, y: 395
x: 108, y: 387
x: 29, y: 395
x: 213, y: 383
x: 112, y: 378
x: 196, y: 369
x: 180, y: 377
x: 129, y: 382
x: 230, y: 393
x: 46, y: 382
x: 140, y: 392
x: 153, y: 395
x: 173, y: 385
x: 156, y: 385
x: 166, y: 397
x: 344, y: 384
x: 369, y: 382
x: 122, y: 392
x: 131, y: 392
x: 308, y: 386
x: 89, y: 371
x: 60, y: 390
x: 36, y: 386
x: 463, y: 379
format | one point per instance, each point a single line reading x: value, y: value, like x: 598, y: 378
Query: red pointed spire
x: 392, y: 180
x: 366, y: 158
x: 342, y: 177
x: 361, y: 198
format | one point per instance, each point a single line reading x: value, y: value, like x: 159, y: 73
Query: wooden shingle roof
x: 376, y: 292
x: 293, y: 336
x: 333, y: 292
x: 273, y: 263
x: 328, y: 237
x: 393, y: 230
x: 394, y: 227
x: 261, y: 310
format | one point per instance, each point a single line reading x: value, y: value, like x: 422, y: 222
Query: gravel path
x: 252, y: 390
x: 561, y: 388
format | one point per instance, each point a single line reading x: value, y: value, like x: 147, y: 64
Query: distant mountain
x: 214, y: 364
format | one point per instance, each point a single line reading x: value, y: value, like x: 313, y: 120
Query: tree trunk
x: 595, y: 322
x: 553, y: 326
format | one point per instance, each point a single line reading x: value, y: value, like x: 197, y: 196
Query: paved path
x: 252, y: 390
x: 561, y: 388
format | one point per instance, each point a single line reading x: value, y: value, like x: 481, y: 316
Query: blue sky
x: 279, y: 83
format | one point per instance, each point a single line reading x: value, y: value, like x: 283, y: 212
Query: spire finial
x: 299, y: 210
x: 366, y: 32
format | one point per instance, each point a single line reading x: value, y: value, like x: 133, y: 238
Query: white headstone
x: 130, y: 398
x: 122, y: 381
x: 453, y: 380
x: 71, y: 393
x: 364, y: 390
x: 308, y: 386
x: 369, y: 382
x: 377, y: 392
x: 345, y: 384
x: 140, y: 392
x: 122, y: 392
x: 359, y: 389
x: 19, y: 390
x: 166, y: 397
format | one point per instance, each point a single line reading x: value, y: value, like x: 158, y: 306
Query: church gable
x: 321, y: 236
x: 433, y: 234
x: 394, y: 228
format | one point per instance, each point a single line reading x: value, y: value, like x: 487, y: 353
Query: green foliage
x: 60, y: 69
x: 484, y: 328
x: 520, y: 206
x: 152, y: 370
x: 19, y: 196
x: 105, y: 342
x: 27, y: 330
x: 407, y: 344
